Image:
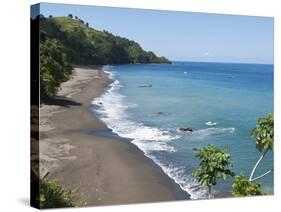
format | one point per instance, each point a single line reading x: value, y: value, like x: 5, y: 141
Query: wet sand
x: 102, y: 169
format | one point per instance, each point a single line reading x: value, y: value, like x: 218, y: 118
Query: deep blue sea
x: 219, y: 101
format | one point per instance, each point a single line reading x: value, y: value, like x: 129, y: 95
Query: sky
x: 182, y: 36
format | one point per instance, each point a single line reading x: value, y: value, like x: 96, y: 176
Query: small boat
x: 145, y: 86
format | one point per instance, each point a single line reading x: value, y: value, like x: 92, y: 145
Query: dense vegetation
x: 69, y: 40
x: 215, y: 163
x: 85, y: 45
x: 54, y: 68
x: 52, y: 195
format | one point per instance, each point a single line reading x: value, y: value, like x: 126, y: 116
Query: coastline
x: 102, y: 169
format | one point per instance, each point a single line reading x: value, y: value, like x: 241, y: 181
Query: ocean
x: 221, y: 102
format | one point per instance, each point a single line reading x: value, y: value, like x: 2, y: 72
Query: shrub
x: 243, y: 187
x: 52, y: 195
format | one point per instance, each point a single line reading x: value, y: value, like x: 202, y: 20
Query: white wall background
x: 14, y: 105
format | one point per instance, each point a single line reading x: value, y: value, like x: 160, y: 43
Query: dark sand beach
x: 101, y: 169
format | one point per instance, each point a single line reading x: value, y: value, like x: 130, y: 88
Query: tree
x: 76, y: 17
x: 215, y: 165
x: 244, y: 187
x: 87, y: 24
x: 81, y: 21
x: 54, y: 69
x: 41, y: 16
x: 264, y: 135
x: 70, y: 15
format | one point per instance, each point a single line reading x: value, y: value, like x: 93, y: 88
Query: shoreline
x: 103, y: 169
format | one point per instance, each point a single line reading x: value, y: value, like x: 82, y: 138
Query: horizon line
x: 230, y: 62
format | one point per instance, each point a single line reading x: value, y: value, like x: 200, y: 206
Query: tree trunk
x: 259, y: 177
x: 210, y: 192
x: 256, y: 165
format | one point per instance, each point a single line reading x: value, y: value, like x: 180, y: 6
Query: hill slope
x: 87, y: 46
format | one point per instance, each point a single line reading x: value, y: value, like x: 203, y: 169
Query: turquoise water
x: 219, y: 101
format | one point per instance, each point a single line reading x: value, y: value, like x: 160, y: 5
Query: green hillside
x: 87, y: 46
x: 66, y: 40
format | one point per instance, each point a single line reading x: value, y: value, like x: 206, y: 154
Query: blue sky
x: 182, y: 36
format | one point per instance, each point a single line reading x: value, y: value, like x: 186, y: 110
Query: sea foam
x: 209, y: 123
x: 187, y: 182
x: 211, y: 131
x: 198, y: 101
x: 112, y: 108
x: 113, y: 111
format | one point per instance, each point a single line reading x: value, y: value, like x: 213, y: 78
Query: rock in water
x: 187, y: 129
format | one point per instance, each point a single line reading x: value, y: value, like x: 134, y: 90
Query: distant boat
x: 185, y: 72
x: 145, y: 86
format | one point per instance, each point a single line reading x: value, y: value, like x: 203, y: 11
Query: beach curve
x: 102, y: 169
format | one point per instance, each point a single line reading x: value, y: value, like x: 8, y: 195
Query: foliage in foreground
x: 244, y: 187
x: 52, y: 195
x: 264, y: 136
x: 264, y: 133
x: 214, y: 165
